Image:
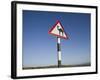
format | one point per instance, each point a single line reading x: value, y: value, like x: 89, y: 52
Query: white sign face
x: 58, y: 30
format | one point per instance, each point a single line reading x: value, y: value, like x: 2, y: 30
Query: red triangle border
x: 56, y: 34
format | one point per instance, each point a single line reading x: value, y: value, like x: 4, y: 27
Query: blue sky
x: 40, y: 48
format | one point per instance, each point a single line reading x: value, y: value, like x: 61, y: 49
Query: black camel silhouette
x: 60, y: 30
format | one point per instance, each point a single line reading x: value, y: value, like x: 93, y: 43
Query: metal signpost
x: 58, y: 31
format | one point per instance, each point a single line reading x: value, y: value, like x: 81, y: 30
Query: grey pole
x: 59, y: 52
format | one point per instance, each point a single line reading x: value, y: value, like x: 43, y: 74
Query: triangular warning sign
x: 58, y: 30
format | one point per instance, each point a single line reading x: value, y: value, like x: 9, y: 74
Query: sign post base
x: 59, y: 63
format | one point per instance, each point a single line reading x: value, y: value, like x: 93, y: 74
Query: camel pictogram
x: 60, y: 30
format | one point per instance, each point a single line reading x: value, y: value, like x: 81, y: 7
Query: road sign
x: 58, y: 30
